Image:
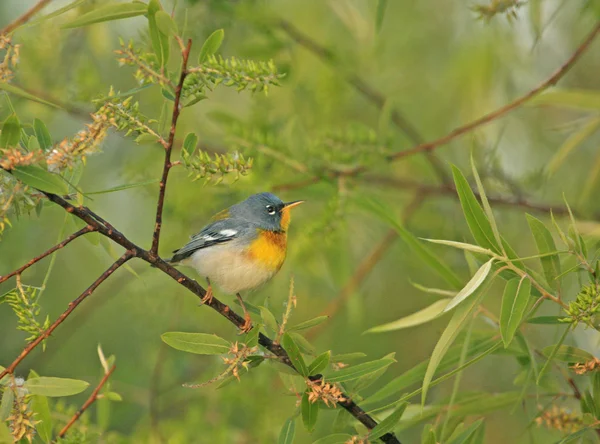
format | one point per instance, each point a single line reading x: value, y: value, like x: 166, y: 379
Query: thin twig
x: 72, y: 306
x: 58, y: 246
x: 25, y: 17
x: 88, y: 402
x: 167, y: 165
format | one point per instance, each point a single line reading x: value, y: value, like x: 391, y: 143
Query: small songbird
x: 243, y: 247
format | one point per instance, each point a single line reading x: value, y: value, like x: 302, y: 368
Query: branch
x: 167, y: 165
x: 36, y: 259
x: 370, y: 93
x: 88, y: 402
x: 72, y: 306
x: 25, y: 17
x: 551, y: 81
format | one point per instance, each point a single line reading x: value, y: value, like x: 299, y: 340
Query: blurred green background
x: 432, y: 61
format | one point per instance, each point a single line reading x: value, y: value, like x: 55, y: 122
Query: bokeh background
x: 434, y: 62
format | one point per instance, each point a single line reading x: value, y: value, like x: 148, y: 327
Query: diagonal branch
x: 86, y: 229
x: 72, y: 306
x: 25, y: 17
x: 87, y: 403
x: 167, y: 165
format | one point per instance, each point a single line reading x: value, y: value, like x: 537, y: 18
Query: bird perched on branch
x: 242, y: 248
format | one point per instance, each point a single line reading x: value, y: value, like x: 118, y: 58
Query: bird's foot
x: 247, y: 325
x: 208, y: 297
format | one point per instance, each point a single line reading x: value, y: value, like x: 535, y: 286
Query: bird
x: 241, y: 248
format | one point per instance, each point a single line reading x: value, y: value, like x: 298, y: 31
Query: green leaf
x: 461, y: 246
x: 475, y: 282
x: 336, y: 438
x: 41, y: 179
x: 366, y: 381
x: 320, y: 363
x: 545, y: 244
x: 211, y: 45
x: 427, y: 314
x: 190, y: 143
x: 358, y: 370
x: 425, y: 254
x: 310, y: 412
x: 379, y: 16
x: 107, y: 13
x: 308, y: 324
x: 123, y: 187
x: 388, y: 424
x: 268, y: 319
x: 567, y: 353
x: 6, y: 405
x: 459, y: 319
x: 467, y: 434
x: 113, y: 396
x: 553, y: 352
x: 12, y: 89
x: 514, y: 303
x: 160, y: 41
x: 5, y: 435
x: 546, y: 320
x: 305, y: 346
x: 286, y: 436
x: 478, y: 222
x: 165, y: 23
x: 348, y: 357
x: 56, y: 13
x: 199, y: 343
x: 579, y: 99
x: 42, y: 134
x: 486, y: 205
x: 574, y: 436
x: 251, y: 338
x: 294, y: 353
x: 39, y: 405
x: 49, y: 386
x: 11, y: 132
x: 572, y: 142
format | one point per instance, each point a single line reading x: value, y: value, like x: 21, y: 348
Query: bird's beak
x: 292, y: 204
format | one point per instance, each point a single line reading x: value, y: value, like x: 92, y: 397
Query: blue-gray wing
x: 218, y: 232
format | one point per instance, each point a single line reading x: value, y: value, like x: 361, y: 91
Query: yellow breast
x: 269, y: 249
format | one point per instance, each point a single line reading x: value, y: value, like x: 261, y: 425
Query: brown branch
x: 88, y: 402
x: 370, y: 93
x: 36, y: 259
x: 72, y: 306
x: 25, y: 17
x: 500, y: 112
x: 167, y: 165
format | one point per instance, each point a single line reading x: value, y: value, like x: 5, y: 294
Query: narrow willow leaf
x: 11, y: 132
x: 211, y: 45
x: 308, y: 324
x: 553, y: 352
x: 123, y: 187
x: 6, y: 405
x: 514, y: 303
x: 42, y: 134
x: 569, y: 98
x: 430, y: 313
x: 268, y: 319
x: 294, y: 353
x: 160, y: 40
x: 199, y: 343
x: 286, y: 436
x: 366, y: 381
x: 165, y: 23
x: 479, y: 225
x: 459, y: 320
x: 39, y: 405
x: 465, y: 436
x: 41, y: 179
x: 305, y: 346
x: 310, y: 413
x: 462, y: 246
x: 388, y: 424
x: 48, y: 386
x: 190, y: 143
x: 113, y: 396
x: 358, y: 370
x: 348, y: 357
x: 107, y: 13
x: 437, y: 291
x: 571, y: 437
x: 5, y: 435
x: 56, y: 13
x: 567, y: 353
x: 425, y: 254
x: 546, y: 320
x: 475, y: 282
x: 486, y: 205
x: 379, y: 16
x: 336, y: 438
x: 428, y: 435
x: 12, y: 89
x: 320, y: 363
x: 572, y: 142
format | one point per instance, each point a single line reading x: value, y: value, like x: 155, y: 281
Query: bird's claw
x: 246, y: 326
x: 208, y: 297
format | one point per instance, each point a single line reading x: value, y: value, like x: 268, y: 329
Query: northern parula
x: 241, y: 248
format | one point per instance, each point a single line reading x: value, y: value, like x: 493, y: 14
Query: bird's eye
x: 270, y: 209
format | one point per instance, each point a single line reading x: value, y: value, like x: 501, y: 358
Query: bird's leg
x: 247, y: 326
x: 208, y: 297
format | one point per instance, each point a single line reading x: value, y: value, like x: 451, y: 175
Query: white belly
x: 229, y: 269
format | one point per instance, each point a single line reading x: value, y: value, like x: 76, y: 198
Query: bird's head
x: 265, y: 210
